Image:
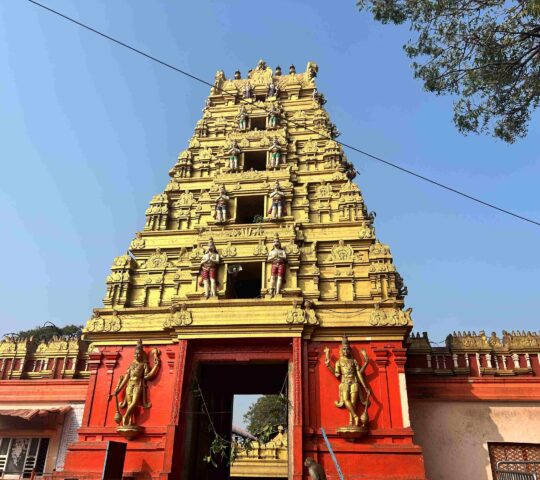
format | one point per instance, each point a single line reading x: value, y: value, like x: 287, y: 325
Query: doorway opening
x: 244, y: 280
x: 257, y: 123
x: 255, y: 161
x: 255, y: 395
x: 250, y: 209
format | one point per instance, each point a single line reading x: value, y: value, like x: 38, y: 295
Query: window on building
x: 20, y: 456
x: 244, y: 280
x: 508, y: 458
x: 260, y: 98
x: 255, y: 161
x: 250, y: 209
x: 258, y: 123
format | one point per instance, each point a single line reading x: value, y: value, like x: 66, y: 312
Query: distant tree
x: 486, y: 52
x: 266, y: 414
x: 48, y: 331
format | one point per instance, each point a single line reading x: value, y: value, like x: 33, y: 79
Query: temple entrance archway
x: 210, y: 411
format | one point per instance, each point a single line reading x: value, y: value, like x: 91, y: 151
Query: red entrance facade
x: 386, y: 452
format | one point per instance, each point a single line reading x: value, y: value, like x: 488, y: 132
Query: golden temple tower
x: 252, y: 142
x: 260, y: 246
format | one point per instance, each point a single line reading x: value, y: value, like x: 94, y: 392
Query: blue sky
x: 90, y: 130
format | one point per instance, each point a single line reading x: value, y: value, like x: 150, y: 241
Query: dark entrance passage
x: 211, y: 410
x: 244, y: 280
x: 250, y: 209
x: 255, y: 160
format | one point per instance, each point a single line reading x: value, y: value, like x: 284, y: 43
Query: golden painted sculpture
x: 134, y: 382
x: 352, y: 377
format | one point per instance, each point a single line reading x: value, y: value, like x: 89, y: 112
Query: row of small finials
x: 277, y: 72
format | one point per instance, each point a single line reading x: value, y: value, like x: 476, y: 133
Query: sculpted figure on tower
x: 275, y: 154
x: 273, y: 89
x: 351, y: 375
x: 274, y: 116
x: 278, y: 199
x: 234, y: 154
x: 222, y: 205
x: 242, y: 118
x: 134, y: 382
x: 278, y: 258
x: 248, y: 90
x: 209, y: 265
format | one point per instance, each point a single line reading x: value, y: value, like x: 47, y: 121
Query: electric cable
x: 350, y: 147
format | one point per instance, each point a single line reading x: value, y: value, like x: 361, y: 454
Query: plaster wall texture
x: 454, y: 435
x: 72, y: 423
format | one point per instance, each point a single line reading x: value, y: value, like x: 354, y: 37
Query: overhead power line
x: 350, y: 147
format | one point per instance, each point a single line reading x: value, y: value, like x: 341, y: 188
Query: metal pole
x: 341, y: 477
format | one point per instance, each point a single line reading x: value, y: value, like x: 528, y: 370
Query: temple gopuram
x: 258, y: 271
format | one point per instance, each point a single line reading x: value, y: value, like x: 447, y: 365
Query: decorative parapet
x: 476, y: 354
x: 60, y: 357
x: 257, y: 459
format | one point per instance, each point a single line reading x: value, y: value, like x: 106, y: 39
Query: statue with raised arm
x: 351, y: 376
x: 134, y: 385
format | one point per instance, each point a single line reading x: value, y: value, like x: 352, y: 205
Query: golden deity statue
x: 134, y: 384
x: 352, y: 376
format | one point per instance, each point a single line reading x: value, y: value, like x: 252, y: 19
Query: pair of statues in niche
x: 248, y: 91
x: 274, y: 160
x: 276, y: 210
x: 210, y: 261
x: 274, y: 117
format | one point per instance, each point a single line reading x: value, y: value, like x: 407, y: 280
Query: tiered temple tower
x: 258, y: 267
